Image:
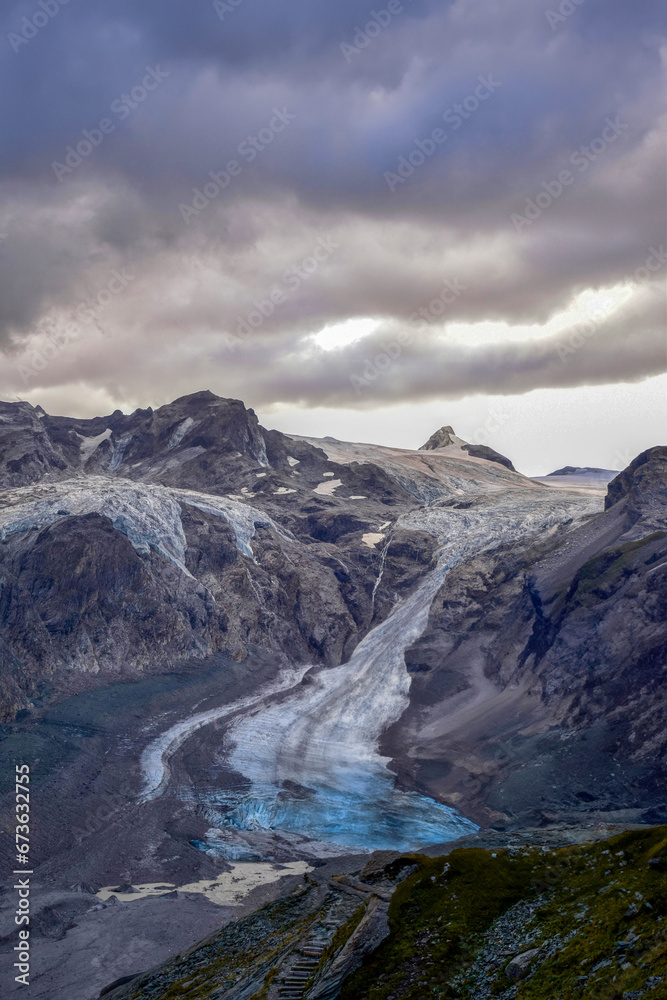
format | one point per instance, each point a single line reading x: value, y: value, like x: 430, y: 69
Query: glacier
x: 148, y: 515
x: 311, y: 757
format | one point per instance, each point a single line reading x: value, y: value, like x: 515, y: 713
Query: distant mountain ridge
x: 571, y: 470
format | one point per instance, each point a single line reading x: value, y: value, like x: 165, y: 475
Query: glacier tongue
x: 312, y: 758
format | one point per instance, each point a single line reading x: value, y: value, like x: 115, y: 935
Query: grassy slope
x: 597, y: 914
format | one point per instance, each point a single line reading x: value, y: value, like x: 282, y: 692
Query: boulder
x: 520, y: 965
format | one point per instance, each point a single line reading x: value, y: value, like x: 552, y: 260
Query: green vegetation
x: 596, y: 913
x: 592, y: 918
x: 344, y: 933
x: 604, y: 573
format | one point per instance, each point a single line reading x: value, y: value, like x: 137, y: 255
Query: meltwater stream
x: 312, y: 758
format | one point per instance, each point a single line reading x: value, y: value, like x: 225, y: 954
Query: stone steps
x: 302, y: 963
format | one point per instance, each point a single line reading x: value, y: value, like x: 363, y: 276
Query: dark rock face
x: 79, y: 600
x: 441, y: 439
x: 200, y: 440
x: 643, y: 484
x: 482, y: 451
x: 28, y: 452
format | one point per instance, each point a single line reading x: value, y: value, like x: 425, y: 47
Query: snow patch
x: 180, y: 432
x: 282, y: 491
x: 89, y: 445
x: 326, y: 489
x: 372, y: 538
x: 293, y: 461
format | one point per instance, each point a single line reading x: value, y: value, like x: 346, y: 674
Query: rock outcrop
x: 445, y: 438
x: 643, y: 485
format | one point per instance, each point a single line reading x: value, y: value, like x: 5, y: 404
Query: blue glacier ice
x: 311, y: 757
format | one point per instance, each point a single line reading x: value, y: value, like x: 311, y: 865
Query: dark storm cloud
x: 516, y: 95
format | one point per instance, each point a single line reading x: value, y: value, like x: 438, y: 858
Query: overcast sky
x: 363, y: 220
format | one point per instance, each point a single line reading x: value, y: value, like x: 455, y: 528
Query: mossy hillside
x: 605, y: 573
x: 596, y: 913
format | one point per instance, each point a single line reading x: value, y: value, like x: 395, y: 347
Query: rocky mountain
x: 443, y: 438
x: 224, y: 645
x: 126, y: 543
x: 135, y: 543
x: 446, y: 438
x: 546, y: 654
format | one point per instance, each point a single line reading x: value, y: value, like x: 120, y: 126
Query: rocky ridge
x: 446, y: 438
x: 516, y: 922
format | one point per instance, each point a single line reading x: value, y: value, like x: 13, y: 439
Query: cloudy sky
x: 363, y: 221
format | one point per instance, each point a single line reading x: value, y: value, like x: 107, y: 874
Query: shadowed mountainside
x: 135, y: 543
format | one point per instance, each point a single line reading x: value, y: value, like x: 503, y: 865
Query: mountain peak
x: 203, y: 396
x: 442, y: 439
x: 445, y: 438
